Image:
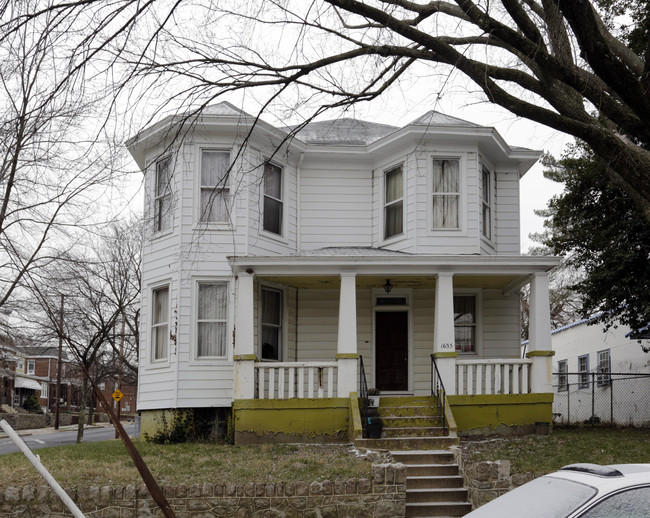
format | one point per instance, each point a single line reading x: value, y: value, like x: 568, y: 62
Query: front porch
x: 302, y: 355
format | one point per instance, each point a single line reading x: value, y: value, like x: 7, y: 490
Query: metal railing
x: 438, y: 392
x: 478, y: 377
x: 363, y: 394
x: 286, y: 380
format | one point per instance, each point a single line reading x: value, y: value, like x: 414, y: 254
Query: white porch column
x: 540, y: 349
x: 444, y: 347
x: 346, y: 347
x: 244, y: 356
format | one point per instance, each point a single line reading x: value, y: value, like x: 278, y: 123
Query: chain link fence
x: 592, y: 397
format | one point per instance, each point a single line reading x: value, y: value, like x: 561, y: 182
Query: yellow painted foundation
x: 289, y: 420
x: 487, y: 414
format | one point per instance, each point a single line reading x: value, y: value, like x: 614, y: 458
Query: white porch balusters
x: 244, y: 356
x: 346, y: 348
x: 444, y: 348
x: 540, y: 349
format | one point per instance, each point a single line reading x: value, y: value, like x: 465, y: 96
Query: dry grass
x: 541, y: 454
x: 108, y: 463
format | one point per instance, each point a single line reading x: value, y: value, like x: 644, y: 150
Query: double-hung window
x: 211, y: 319
x: 446, y: 193
x: 394, y: 203
x: 273, y: 205
x: 465, y: 323
x: 583, y: 371
x: 215, y: 166
x: 160, y: 323
x: 163, y: 195
x: 562, y: 378
x: 486, y: 203
x: 31, y: 366
x: 603, y: 368
x: 271, y: 324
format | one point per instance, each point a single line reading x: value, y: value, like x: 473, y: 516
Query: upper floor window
x: 160, y: 323
x: 20, y: 366
x: 163, y: 195
x: 583, y: 371
x: 31, y: 366
x: 44, y: 389
x: 465, y: 323
x: 271, y: 324
x: 273, y: 198
x: 486, y: 203
x: 446, y: 193
x: 211, y: 319
x: 214, y: 186
x: 563, y: 378
x: 603, y: 367
x: 393, y: 203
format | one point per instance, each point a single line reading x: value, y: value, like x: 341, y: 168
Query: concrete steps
x: 433, y: 484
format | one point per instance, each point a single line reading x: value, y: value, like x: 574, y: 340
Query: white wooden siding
x: 507, y: 226
x: 500, y: 325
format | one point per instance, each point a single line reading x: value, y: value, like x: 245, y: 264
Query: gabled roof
x: 344, y: 132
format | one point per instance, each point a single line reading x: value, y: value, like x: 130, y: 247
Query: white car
x: 578, y: 490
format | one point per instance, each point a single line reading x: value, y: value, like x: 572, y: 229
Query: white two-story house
x: 277, y: 261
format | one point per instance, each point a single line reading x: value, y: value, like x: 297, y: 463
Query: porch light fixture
x: 388, y: 286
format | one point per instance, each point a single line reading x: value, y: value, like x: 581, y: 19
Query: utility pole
x: 119, y: 371
x: 58, y: 368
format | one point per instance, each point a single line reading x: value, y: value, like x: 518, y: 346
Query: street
x: 46, y: 438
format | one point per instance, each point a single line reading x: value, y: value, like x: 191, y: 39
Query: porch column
x: 346, y: 347
x: 444, y: 347
x: 540, y: 349
x: 244, y: 355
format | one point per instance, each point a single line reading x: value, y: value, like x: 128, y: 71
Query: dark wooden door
x: 391, y: 343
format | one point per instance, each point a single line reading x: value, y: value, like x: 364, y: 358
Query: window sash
x: 394, y: 203
x: 271, y: 324
x: 163, y: 198
x: 215, y: 194
x: 563, y: 381
x: 31, y: 366
x: 465, y: 323
x: 604, y: 368
x: 160, y: 323
x: 583, y: 370
x: 446, y: 193
x: 486, y: 199
x: 212, y: 319
x: 273, y: 205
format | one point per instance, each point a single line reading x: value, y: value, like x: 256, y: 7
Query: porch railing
x: 477, y: 377
x: 438, y: 391
x: 286, y: 380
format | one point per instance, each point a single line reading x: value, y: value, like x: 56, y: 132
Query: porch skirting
x: 500, y: 413
x: 291, y: 420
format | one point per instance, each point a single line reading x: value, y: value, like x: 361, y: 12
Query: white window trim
x: 32, y: 364
x: 462, y: 201
x: 44, y: 390
x: 208, y: 360
x: 283, y: 317
x: 607, y: 382
x: 563, y: 387
x: 162, y: 362
x: 478, y: 294
x: 582, y: 385
x: 282, y: 237
x: 154, y: 164
x: 213, y: 225
x: 489, y: 202
x: 402, y: 234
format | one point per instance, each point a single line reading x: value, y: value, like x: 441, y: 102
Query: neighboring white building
x: 272, y: 261
x: 609, y: 367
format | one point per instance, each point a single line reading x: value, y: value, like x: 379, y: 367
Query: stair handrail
x: 438, y: 391
x: 363, y: 394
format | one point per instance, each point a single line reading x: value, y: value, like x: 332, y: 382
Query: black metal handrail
x: 363, y: 394
x: 438, y: 391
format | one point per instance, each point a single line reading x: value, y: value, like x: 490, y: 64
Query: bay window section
x: 211, y: 319
x: 271, y: 324
x: 215, y: 167
x: 160, y: 323
x: 163, y: 196
x: 273, y: 205
x: 465, y: 323
x: 394, y: 203
x: 446, y: 193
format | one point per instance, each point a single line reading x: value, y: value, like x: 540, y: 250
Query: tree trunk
x: 82, y: 410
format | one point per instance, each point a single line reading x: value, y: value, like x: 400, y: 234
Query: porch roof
x: 322, y: 268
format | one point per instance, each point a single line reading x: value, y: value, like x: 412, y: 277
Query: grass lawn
x: 543, y: 454
x: 108, y: 464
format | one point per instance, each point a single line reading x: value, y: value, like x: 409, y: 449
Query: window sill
x: 218, y: 227
x: 161, y: 234
x: 274, y: 237
x: 394, y: 239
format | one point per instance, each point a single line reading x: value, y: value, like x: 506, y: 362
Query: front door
x: 391, y: 350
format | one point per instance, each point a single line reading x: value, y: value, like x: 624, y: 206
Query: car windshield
x: 545, y: 497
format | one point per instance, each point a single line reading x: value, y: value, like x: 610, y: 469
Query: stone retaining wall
x: 381, y: 496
